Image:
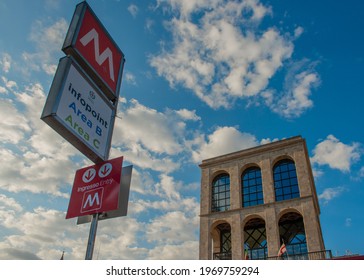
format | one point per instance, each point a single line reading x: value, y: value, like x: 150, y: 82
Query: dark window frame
x: 285, y: 180
x: 252, y: 187
x: 220, y: 197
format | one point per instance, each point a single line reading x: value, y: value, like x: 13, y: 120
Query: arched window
x: 285, y: 180
x: 255, y: 243
x: 222, y: 251
x: 252, y: 190
x: 292, y: 233
x: 221, y: 193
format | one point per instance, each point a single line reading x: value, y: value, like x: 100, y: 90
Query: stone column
x: 205, y: 252
x: 235, y: 200
x: 267, y: 181
x: 312, y: 228
x: 272, y: 231
x: 236, y: 237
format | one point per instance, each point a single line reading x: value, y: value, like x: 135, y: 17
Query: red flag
x: 246, y: 254
x: 282, y: 250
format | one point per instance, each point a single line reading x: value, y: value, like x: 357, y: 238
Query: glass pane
x: 285, y: 183
x: 251, y: 186
x: 292, y: 174
x: 259, y: 180
x: 294, y: 181
x: 279, y: 191
x: 284, y: 167
x: 277, y: 176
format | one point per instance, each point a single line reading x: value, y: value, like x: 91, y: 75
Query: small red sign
x: 96, y: 189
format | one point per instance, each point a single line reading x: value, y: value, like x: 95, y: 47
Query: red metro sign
x: 96, y: 189
x: 89, y: 42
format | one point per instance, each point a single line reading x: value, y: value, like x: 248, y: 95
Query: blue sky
x: 202, y: 78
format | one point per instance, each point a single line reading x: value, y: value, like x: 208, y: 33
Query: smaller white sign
x: 105, y: 170
x: 89, y: 175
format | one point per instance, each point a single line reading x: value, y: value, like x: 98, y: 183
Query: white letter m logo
x: 92, y: 200
x: 100, y: 58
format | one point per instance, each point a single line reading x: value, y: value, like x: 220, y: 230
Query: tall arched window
x: 255, y: 243
x: 285, y: 180
x: 292, y: 233
x: 221, y: 193
x: 222, y: 249
x: 252, y: 190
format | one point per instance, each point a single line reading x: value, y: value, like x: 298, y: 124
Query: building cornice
x: 251, y: 151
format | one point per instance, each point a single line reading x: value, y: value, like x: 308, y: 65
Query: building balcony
x: 223, y: 256
x: 320, y: 255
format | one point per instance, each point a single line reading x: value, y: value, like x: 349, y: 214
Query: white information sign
x: 84, y: 112
x: 79, y: 112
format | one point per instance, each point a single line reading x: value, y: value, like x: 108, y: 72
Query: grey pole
x: 92, y: 237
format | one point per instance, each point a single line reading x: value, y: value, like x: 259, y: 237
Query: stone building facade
x: 256, y: 200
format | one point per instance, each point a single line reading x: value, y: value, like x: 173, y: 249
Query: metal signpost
x: 81, y: 106
x: 92, y: 237
x: 120, y: 211
x: 102, y: 191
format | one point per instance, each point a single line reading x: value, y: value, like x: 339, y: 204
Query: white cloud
x: 13, y: 124
x: 35, y: 173
x: 294, y: 100
x: 41, y: 156
x: 185, y: 251
x: 8, y: 209
x: 216, y: 59
x: 222, y: 141
x: 130, y: 78
x: 147, y: 127
x: 172, y: 228
x: 149, y: 23
x: 188, y: 115
x: 361, y: 172
x: 250, y: 9
x: 330, y: 193
x: 5, y: 62
x: 38, y: 233
x: 150, y: 138
x: 220, y: 55
x: 9, y: 203
x: 133, y: 10
x: 268, y: 140
x: 119, y: 239
x: 48, y: 41
x: 3, y: 90
x: 168, y: 186
x: 298, y: 31
x: 336, y: 154
x: 9, y: 84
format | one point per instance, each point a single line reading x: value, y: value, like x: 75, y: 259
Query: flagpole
x: 92, y: 237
